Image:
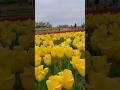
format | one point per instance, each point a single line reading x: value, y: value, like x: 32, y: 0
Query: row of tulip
x: 60, y: 61
x: 68, y: 30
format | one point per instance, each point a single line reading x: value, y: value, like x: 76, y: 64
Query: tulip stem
x: 76, y: 79
x: 60, y: 65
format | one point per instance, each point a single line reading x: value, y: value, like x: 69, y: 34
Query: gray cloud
x: 60, y: 11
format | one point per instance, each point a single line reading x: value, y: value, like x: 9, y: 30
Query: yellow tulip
x: 53, y: 83
x: 37, y: 40
x: 37, y: 50
x: 68, y: 51
x: 43, y: 51
x: 81, y: 67
x: 81, y: 46
x: 37, y: 60
x: 49, y: 48
x: 53, y: 52
x: 40, y: 72
x: 67, y: 79
x: 76, y: 53
x: 74, y: 61
x: 68, y: 41
x: 60, y: 52
x: 78, y: 64
x: 47, y: 59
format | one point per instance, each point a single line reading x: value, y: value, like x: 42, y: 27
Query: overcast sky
x: 59, y: 12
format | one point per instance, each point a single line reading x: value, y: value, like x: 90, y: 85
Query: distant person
x: 75, y: 26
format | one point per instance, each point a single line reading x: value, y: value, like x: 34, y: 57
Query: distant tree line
x: 71, y: 26
x: 43, y: 25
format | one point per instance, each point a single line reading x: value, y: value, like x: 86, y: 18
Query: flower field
x: 60, y: 61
